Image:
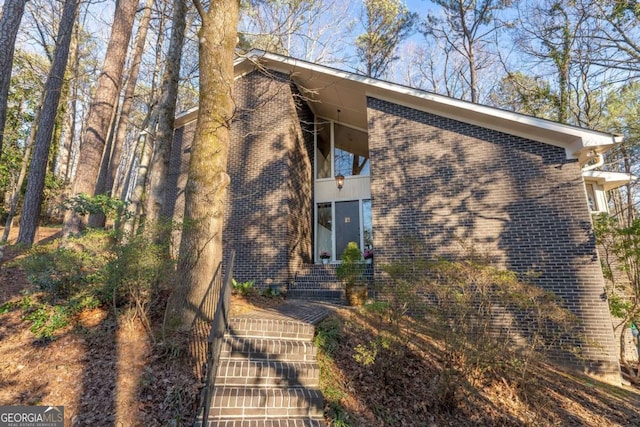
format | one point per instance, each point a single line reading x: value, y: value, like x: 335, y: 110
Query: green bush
x: 243, y: 288
x: 65, y: 271
x: 110, y: 207
x: 88, y: 271
x: 352, y: 267
x: 135, y: 271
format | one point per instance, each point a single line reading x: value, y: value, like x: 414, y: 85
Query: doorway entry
x: 341, y: 222
x: 347, y: 225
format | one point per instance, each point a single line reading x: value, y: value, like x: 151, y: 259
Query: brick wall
x: 438, y: 184
x: 269, y: 207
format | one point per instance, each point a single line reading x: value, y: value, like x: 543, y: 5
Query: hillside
x: 106, y: 368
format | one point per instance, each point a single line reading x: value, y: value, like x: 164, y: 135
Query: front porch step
x: 290, y: 422
x: 335, y: 296
x: 256, y: 402
x: 267, y: 349
x: 271, y: 328
x: 317, y: 282
x: 266, y: 373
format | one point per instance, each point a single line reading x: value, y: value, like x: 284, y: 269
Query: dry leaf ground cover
x: 108, y: 368
x: 374, y: 374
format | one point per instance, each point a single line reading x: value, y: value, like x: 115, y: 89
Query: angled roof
x: 342, y: 96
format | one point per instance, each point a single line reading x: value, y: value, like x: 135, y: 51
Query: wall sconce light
x: 339, y: 181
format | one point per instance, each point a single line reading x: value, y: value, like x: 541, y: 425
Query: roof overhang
x: 608, y: 180
x: 342, y: 96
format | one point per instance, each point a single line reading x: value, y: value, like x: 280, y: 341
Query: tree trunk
x: 127, y: 102
x: 53, y: 86
x: 143, y: 154
x: 101, y: 111
x: 15, y: 196
x: 201, y: 244
x: 166, y: 114
x: 69, y: 120
x: 9, y: 23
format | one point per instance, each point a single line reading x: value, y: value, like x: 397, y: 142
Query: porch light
x: 339, y: 181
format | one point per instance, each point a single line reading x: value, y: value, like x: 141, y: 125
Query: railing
x: 219, y: 326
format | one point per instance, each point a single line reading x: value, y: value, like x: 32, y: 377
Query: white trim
x: 579, y: 143
x: 574, y: 139
x: 608, y: 180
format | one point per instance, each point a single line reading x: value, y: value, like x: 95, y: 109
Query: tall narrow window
x: 351, y: 151
x: 323, y: 150
x: 367, y: 224
x: 591, y: 198
x: 324, y: 235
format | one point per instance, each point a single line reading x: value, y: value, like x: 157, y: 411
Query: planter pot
x: 369, y: 260
x: 325, y: 260
x: 356, y: 294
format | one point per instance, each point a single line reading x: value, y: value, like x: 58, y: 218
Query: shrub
x: 351, y: 268
x: 91, y: 270
x: 135, y: 271
x: 65, y: 271
x: 491, y: 320
x: 242, y: 288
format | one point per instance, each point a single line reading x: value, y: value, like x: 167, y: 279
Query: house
x: 412, y: 166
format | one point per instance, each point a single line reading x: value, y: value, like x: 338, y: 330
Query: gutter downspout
x: 597, y: 164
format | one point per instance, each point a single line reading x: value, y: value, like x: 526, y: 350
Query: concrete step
x: 267, y: 373
x: 256, y: 402
x: 267, y: 349
x: 271, y: 328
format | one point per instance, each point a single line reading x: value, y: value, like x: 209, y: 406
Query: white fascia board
x: 608, y: 180
x: 185, y: 117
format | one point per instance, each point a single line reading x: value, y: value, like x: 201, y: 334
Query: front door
x: 347, y: 225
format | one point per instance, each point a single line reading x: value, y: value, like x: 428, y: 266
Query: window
x: 323, y: 150
x: 324, y: 234
x: 351, y: 151
x: 367, y: 224
x: 591, y: 198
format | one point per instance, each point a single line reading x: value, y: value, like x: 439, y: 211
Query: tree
x: 525, y: 94
x: 102, y: 110
x: 467, y: 27
x: 12, y: 12
x: 313, y: 30
x: 118, y: 137
x: 386, y: 24
x: 42, y: 143
x: 166, y: 113
x: 548, y: 32
x: 201, y: 243
x: 617, y: 41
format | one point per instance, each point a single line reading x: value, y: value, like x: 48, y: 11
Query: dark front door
x: 347, y: 225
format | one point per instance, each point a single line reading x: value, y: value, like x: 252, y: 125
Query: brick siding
x: 439, y: 184
x: 434, y: 181
x: 268, y: 213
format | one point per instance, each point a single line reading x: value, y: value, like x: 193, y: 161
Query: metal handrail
x: 219, y: 327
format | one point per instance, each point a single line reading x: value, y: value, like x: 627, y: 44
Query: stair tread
x: 256, y: 348
x: 248, y: 402
x: 267, y: 373
x: 271, y: 328
x: 290, y: 422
